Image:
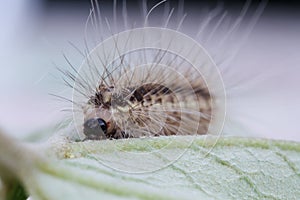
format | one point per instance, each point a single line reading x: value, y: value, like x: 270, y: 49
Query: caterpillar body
x: 150, y: 105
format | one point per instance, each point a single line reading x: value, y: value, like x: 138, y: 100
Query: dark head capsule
x: 95, y: 129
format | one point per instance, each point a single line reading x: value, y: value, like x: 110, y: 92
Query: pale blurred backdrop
x: 35, y: 33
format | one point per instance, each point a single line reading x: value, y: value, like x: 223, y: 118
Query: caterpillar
x: 146, y: 81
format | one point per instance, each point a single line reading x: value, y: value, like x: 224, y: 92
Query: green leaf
x: 181, y: 167
x: 16, y: 192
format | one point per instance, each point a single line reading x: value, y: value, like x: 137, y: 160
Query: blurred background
x: 35, y: 34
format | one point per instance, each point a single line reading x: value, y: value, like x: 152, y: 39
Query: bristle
x: 152, y: 81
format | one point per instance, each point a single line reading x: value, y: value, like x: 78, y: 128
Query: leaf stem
x: 17, y: 161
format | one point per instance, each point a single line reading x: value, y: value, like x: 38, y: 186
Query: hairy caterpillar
x: 153, y: 80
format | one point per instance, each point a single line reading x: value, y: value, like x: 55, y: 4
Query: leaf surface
x: 154, y: 168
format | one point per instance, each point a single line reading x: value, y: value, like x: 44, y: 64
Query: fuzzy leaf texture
x: 235, y: 168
